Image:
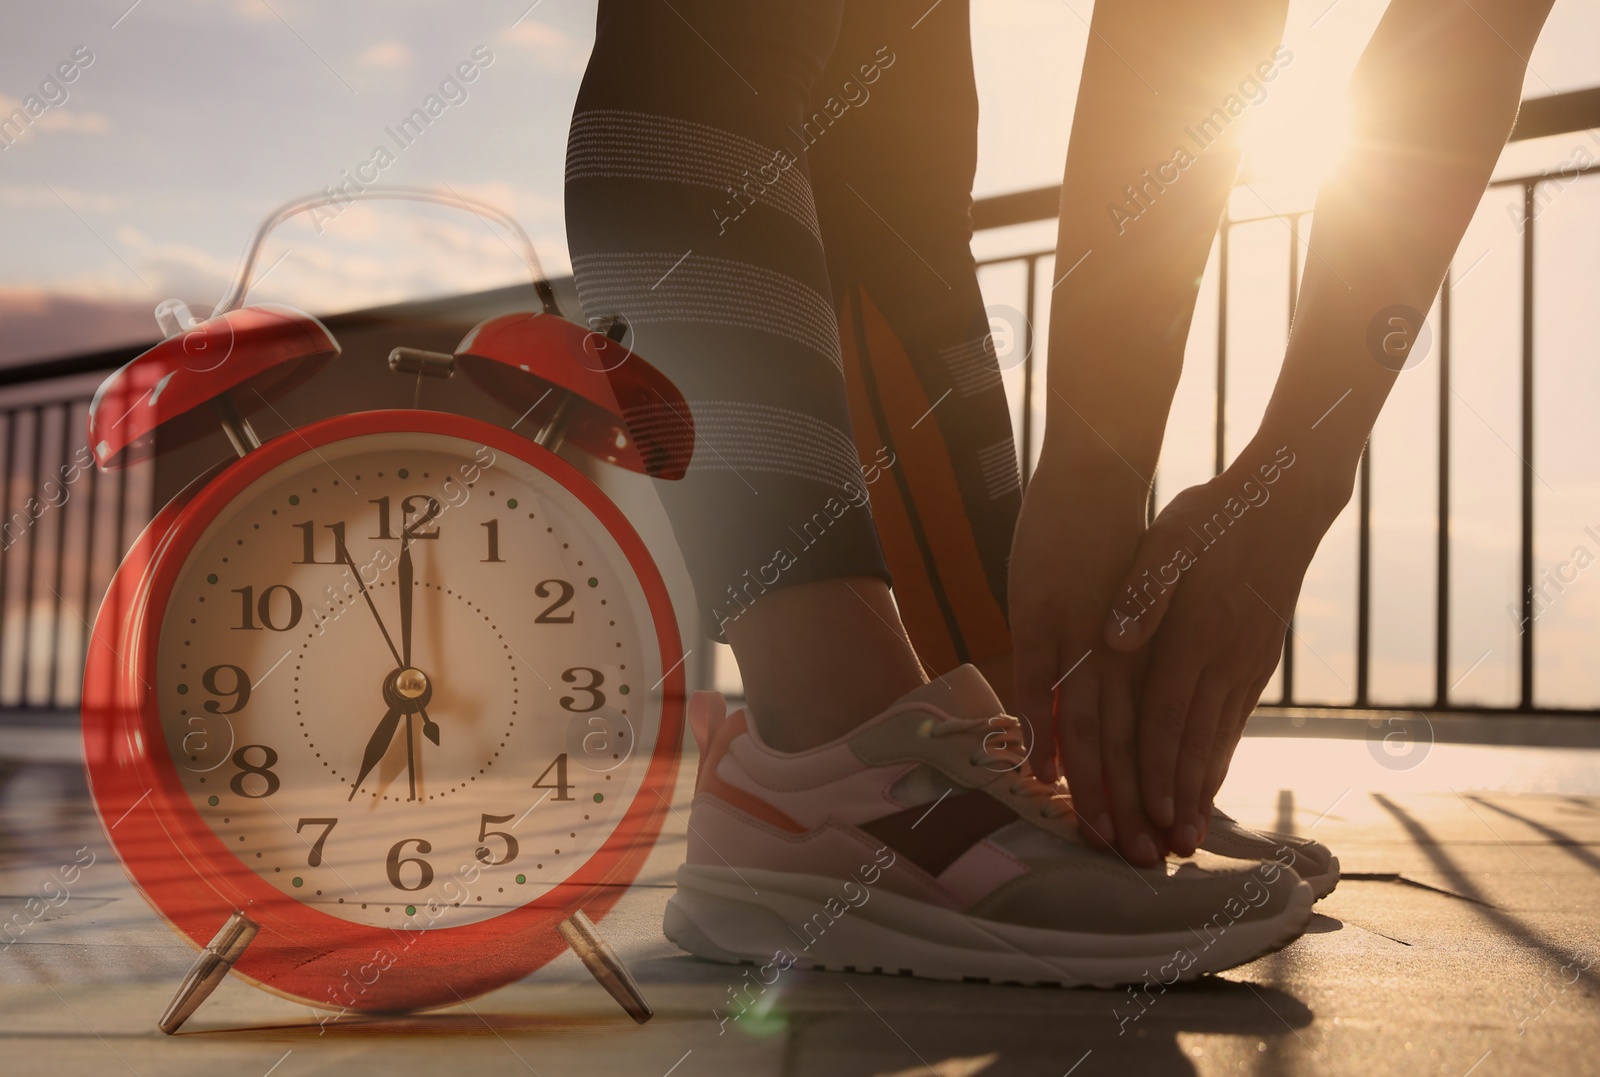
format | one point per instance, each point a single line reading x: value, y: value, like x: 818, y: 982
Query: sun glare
x: 1291, y: 151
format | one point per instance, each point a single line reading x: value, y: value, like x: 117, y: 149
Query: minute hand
x: 345, y: 554
x: 406, y: 584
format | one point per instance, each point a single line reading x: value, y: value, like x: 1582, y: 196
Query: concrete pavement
x: 1464, y: 938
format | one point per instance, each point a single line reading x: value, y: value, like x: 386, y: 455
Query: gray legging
x: 775, y: 198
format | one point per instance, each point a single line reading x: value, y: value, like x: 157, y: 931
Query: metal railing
x: 1561, y: 114
x: 65, y: 527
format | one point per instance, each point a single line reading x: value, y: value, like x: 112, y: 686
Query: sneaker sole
x: 755, y: 916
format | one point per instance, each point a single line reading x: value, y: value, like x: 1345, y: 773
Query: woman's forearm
x: 1152, y: 158
x: 1434, y: 98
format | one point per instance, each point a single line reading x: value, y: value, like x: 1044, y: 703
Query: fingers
x: 1145, y: 594
x: 1036, y: 675
x: 1222, y: 749
x: 1209, y: 715
x: 1236, y: 712
x: 1119, y: 756
x: 1163, y: 715
x: 1078, y: 723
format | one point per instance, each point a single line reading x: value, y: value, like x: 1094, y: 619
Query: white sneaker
x: 1311, y: 860
x: 922, y: 844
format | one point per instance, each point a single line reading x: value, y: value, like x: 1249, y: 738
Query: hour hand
x: 377, y: 746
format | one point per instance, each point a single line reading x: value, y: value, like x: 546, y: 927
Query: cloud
x: 84, y: 123
x: 62, y: 117
x: 21, y: 196
x: 253, y: 10
x: 138, y: 269
x: 385, y: 56
x: 549, y: 45
x: 535, y: 34
x: 41, y: 324
x: 523, y: 203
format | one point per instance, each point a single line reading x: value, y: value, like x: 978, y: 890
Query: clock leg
x: 209, y: 969
x: 604, y: 964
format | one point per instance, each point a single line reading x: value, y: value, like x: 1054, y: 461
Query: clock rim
x: 194, y: 882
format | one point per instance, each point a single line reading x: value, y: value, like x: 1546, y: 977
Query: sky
x: 195, y: 117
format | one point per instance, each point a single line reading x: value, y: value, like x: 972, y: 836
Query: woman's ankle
x: 820, y: 659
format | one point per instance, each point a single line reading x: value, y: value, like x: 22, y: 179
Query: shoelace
x: 1002, y: 749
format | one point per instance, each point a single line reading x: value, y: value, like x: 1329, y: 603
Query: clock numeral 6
x: 269, y: 759
x: 597, y: 698
x: 395, y: 860
x: 240, y: 690
x: 483, y: 853
x: 251, y: 608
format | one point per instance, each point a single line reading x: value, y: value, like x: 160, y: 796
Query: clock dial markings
x: 543, y: 583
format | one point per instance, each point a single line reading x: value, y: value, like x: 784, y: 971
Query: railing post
x: 52, y: 695
x: 33, y: 558
x: 1525, y: 701
x: 1027, y: 371
x: 1222, y: 345
x: 1364, y: 580
x: 1294, y: 300
x: 91, y: 500
x: 1441, y: 613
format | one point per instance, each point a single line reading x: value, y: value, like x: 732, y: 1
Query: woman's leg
x: 891, y: 135
x: 690, y: 215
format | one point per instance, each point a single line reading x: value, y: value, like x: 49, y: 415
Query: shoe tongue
x: 961, y: 693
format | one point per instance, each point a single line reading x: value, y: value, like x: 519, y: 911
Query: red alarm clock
x: 376, y: 712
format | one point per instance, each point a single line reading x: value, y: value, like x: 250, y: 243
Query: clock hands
x: 430, y: 728
x: 406, y: 584
x: 378, y: 747
x: 406, y: 689
x: 362, y: 584
x: 407, y: 692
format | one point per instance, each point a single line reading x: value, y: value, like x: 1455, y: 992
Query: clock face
x: 409, y: 680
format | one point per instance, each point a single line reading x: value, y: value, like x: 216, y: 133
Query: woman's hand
x: 1208, y: 601
x: 1077, y: 534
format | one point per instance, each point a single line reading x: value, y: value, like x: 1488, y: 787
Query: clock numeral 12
x: 408, y: 508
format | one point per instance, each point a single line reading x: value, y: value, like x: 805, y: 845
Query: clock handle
x: 447, y: 197
x: 208, y: 970
x: 604, y: 964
